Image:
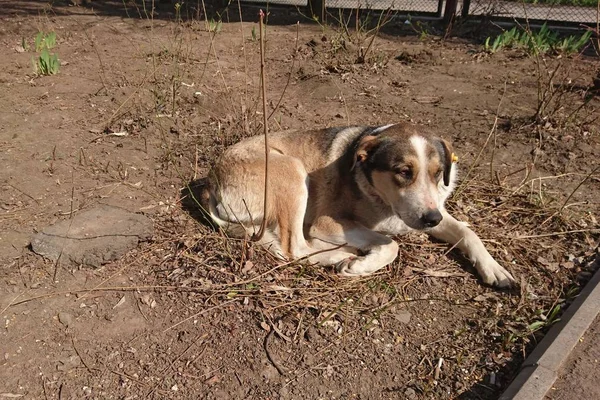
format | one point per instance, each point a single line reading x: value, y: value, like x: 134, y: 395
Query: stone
x: 93, y: 237
x: 410, y: 393
x: 66, y: 319
x: 403, y: 317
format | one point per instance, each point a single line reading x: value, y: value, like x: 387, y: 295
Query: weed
x: 24, y: 44
x: 540, y: 42
x: 213, y: 25
x: 423, y: 29
x: 546, y: 319
x: 362, y: 38
x: 45, y: 63
x: 44, y: 41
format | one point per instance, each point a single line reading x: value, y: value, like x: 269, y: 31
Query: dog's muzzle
x: 431, y: 218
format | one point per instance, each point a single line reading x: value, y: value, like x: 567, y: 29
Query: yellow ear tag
x: 454, y: 158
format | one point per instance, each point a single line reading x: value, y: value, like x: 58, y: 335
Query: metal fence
x: 424, y: 7
x: 540, y: 11
x: 535, y: 10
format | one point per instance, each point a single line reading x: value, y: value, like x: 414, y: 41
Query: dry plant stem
x: 557, y: 233
x: 269, y: 356
x: 379, y: 24
x: 172, y: 363
x: 170, y: 287
x: 577, y: 187
x: 102, y: 70
x: 243, y: 49
x: 90, y: 370
x: 263, y: 84
x: 200, y: 313
x: 11, y: 302
x: 492, y: 131
x: 56, y: 264
x: 291, y: 71
x: 137, y: 89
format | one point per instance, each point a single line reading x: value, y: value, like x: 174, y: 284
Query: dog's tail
x: 235, y: 228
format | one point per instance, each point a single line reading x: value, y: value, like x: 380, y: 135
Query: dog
x: 337, y: 196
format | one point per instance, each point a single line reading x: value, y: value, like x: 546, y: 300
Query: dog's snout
x: 431, y: 218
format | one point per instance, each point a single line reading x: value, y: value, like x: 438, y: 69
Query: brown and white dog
x: 344, y: 189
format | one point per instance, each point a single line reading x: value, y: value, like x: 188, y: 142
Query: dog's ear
x: 363, y: 149
x: 448, y: 157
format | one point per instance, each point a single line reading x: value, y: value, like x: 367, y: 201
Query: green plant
x: 44, y: 41
x: 540, y: 42
x: 213, y: 25
x: 546, y: 320
x: 45, y: 63
x: 423, y: 29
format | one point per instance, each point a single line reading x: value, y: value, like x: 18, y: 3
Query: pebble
x: 403, y: 317
x: 410, y: 393
x: 66, y: 319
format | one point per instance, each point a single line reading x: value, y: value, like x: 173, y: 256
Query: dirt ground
x: 144, y: 103
x: 582, y: 370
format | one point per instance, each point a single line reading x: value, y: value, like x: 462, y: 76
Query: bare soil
x: 581, y: 372
x: 141, y: 107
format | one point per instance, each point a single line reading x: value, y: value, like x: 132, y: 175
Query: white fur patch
x: 420, y: 145
x: 382, y: 128
x: 342, y: 141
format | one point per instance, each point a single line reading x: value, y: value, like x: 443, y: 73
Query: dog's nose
x: 431, y: 218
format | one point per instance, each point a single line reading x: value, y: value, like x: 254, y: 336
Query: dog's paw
x: 494, y: 274
x: 351, y: 266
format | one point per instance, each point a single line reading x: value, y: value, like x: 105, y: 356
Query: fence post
x: 450, y: 11
x: 465, y: 8
x: 317, y: 8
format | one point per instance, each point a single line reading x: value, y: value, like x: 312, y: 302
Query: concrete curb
x: 541, y: 368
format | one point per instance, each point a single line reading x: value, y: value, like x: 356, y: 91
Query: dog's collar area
x: 454, y: 158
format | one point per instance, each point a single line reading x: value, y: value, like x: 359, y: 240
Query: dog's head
x: 409, y: 169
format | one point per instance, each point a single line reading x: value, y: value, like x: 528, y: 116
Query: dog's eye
x: 404, y: 172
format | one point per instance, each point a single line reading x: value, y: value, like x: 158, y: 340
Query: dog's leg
x: 239, y: 206
x: 379, y: 250
x: 288, y: 193
x: 457, y: 233
x: 330, y: 250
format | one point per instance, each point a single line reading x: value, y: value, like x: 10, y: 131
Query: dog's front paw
x: 350, y: 266
x: 494, y: 274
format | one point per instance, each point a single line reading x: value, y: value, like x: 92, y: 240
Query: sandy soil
x: 579, y: 378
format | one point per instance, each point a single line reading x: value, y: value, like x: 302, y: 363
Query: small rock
x: 270, y: 373
x: 66, y: 319
x: 93, y: 237
x: 410, y: 393
x: 403, y: 317
x: 568, y: 264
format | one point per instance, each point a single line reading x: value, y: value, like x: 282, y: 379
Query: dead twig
x: 200, y: 313
x: 269, y: 356
x: 90, y: 370
x: 460, y: 189
x: 261, y: 231
x: 171, y: 364
x: 577, y: 187
x: 556, y: 233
